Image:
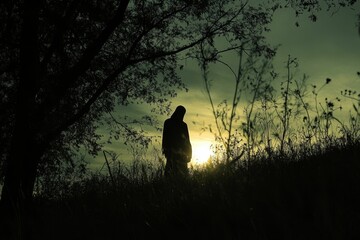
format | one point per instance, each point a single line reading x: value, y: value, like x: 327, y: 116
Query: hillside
x: 314, y: 197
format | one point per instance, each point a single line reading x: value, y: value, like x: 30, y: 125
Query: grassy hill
x: 303, y: 195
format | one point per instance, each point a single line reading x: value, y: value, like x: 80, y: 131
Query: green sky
x: 327, y: 48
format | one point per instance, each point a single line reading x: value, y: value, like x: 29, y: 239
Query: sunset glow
x: 201, y: 152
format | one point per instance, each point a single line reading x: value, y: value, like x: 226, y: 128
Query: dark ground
x: 317, y: 197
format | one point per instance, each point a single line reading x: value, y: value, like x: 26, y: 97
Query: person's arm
x: 165, y: 138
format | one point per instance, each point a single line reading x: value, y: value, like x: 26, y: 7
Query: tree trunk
x: 24, y: 154
x: 17, y: 193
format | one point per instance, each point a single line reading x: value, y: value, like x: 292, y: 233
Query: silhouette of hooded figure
x: 176, y: 143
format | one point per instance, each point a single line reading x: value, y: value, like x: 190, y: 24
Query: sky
x: 327, y: 48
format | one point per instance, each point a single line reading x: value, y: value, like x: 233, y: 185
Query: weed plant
x: 289, y: 170
x: 301, y: 194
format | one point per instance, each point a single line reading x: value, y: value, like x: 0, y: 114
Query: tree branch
x: 67, y: 79
x: 61, y: 28
x: 130, y: 62
x: 143, y: 34
x: 89, y: 54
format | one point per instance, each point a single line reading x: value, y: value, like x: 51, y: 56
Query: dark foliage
x: 314, y: 197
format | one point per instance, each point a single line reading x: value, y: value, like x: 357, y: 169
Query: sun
x: 201, y: 152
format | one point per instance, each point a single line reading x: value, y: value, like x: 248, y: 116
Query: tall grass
x: 302, y: 194
x: 286, y: 169
x: 265, y: 112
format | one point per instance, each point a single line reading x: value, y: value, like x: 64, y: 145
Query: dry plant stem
x: 109, y: 169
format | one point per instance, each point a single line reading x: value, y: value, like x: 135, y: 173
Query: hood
x: 179, y: 113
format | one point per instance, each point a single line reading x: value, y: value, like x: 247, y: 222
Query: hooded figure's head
x: 179, y: 113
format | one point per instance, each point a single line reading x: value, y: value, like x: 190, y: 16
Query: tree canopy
x: 63, y: 64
